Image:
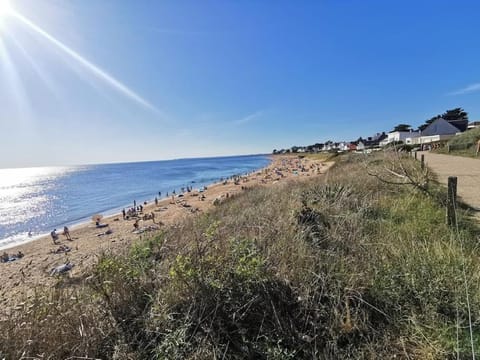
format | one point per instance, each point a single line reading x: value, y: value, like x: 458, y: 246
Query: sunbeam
x: 14, y: 81
x: 39, y: 71
x: 99, y: 73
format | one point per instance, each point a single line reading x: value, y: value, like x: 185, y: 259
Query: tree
x: 402, y: 127
x: 455, y: 114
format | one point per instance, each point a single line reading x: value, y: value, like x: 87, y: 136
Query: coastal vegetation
x: 353, y: 264
x: 464, y: 144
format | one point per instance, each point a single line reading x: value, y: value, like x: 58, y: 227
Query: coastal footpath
x: 466, y: 169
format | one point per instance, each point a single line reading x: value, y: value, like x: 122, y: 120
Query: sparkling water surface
x: 37, y: 200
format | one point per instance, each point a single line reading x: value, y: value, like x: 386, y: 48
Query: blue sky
x: 87, y: 81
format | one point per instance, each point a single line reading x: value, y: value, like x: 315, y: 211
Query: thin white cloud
x: 249, y: 118
x: 466, y: 90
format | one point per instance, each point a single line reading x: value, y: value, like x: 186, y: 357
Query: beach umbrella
x: 97, y: 217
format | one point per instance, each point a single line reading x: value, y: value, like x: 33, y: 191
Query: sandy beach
x: 33, y: 271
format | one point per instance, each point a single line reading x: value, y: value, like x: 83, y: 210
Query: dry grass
x: 341, y: 267
x: 464, y: 144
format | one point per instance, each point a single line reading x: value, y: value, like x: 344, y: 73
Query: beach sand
x: 22, y: 277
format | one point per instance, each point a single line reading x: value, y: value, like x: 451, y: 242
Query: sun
x: 6, y: 8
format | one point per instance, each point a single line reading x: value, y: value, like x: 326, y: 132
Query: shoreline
x: 23, y: 276
x: 23, y: 237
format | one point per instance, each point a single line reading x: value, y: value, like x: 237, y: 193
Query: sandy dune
x: 31, y: 272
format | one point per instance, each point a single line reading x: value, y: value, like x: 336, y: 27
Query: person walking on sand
x: 54, y: 236
x: 66, y: 232
x: 124, y: 213
x: 156, y: 201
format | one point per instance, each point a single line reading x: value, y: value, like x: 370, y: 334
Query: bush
x: 338, y: 267
x: 464, y: 144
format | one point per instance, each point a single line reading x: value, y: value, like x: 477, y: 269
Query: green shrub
x: 339, y: 267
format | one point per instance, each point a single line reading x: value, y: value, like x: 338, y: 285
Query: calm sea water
x: 43, y: 198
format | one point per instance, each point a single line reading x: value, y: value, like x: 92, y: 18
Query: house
x: 343, y: 146
x: 368, y: 143
x: 397, y: 136
x: 361, y: 145
x: 438, y: 131
x: 328, y: 146
x: 372, y: 141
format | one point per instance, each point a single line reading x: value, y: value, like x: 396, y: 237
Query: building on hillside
x: 343, y: 146
x: 375, y: 140
x: 360, y: 145
x: 369, y: 143
x: 397, y: 136
x: 437, y: 132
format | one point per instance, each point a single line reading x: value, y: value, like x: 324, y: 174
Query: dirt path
x: 467, y: 170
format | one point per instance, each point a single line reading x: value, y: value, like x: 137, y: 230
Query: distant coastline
x: 135, y: 181
x: 88, y: 241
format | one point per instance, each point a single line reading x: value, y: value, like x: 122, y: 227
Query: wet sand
x: 21, y: 277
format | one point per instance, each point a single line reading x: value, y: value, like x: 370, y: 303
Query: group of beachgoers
x: 136, y: 213
x: 56, y: 237
x: 183, y: 199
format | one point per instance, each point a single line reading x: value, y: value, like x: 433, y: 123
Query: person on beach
x: 66, y: 232
x: 124, y: 213
x: 156, y: 201
x: 135, y: 225
x: 54, y: 236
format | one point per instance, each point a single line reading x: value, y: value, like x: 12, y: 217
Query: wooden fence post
x: 451, y: 200
x: 422, y: 161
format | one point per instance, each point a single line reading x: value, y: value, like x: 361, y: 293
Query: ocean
x: 39, y: 199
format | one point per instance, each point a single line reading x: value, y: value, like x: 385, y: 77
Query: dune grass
x: 464, y: 144
x: 339, y: 267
